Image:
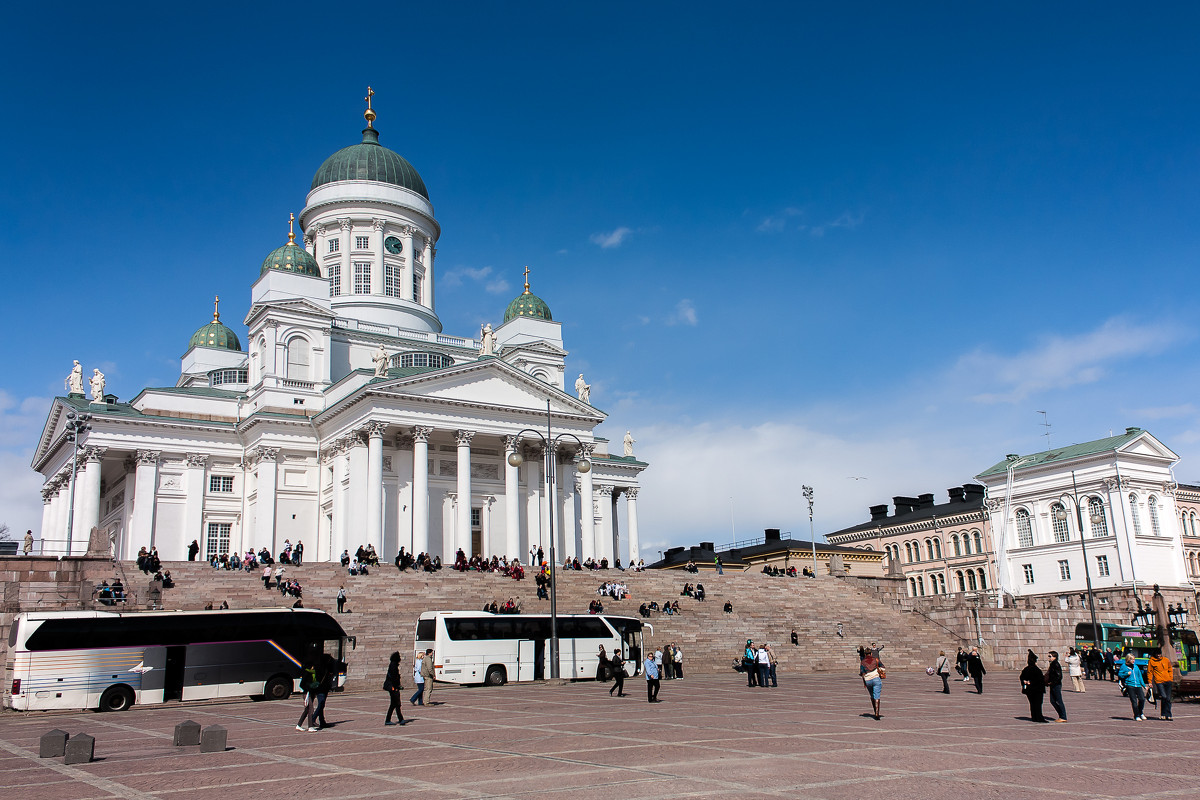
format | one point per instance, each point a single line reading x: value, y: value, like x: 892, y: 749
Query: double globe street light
x: 582, y: 465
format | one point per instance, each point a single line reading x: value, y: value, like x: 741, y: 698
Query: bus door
x: 173, y: 673
x: 539, y: 659
x: 526, y: 660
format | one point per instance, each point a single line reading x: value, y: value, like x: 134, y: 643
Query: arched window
x: 916, y: 551
x: 297, y: 358
x: 941, y: 579
x: 261, y: 351
x: 954, y: 543
x: 921, y: 585
x: 1024, y: 529
x: 1096, y: 509
x: 912, y: 587
x: 937, y: 547
x: 1191, y: 563
x: 971, y: 580
x: 1193, y: 518
x: 1058, y: 521
x: 982, y: 579
x: 962, y: 582
x: 1154, y: 526
x: 978, y: 543
x: 929, y: 548
x: 908, y: 552
x: 1133, y: 512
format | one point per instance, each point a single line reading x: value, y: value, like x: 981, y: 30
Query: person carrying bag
x: 942, y: 668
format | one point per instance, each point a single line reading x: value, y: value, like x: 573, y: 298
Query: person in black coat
x: 193, y: 549
x: 1054, y: 683
x: 1033, y: 684
x: 391, y: 685
x: 975, y: 669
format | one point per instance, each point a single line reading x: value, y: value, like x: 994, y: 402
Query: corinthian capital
x: 631, y: 493
x: 375, y: 429
x: 464, y: 438
x: 421, y: 433
x: 195, y: 459
x: 266, y: 454
x: 148, y: 457
x: 94, y: 453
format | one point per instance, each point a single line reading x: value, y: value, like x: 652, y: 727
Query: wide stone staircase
x: 384, y: 607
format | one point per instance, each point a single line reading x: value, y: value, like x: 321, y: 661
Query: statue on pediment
x: 74, y: 381
x: 380, y: 359
x: 583, y: 389
x: 97, y: 385
x: 629, y: 440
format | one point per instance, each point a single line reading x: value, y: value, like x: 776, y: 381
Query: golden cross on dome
x: 369, y: 114
x: 291, y: 233
x: 216, y: 306
x: 526, y: 280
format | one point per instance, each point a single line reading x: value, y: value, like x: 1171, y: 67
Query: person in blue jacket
x: 1131, y: 675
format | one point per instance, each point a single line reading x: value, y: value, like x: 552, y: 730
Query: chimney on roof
x: 925, y: 500
x: 904, y: 505
x: 973, y: 492
x: 772, y: 534
x: 956, y: 494
x: 1133, y: 430
x: 1011, y: 457
x: 707, y: 546
x: 879, y: 512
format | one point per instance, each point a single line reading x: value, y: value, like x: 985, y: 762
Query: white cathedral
x: 351, y: 419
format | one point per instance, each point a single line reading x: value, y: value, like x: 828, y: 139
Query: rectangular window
x: 416, y: 288
x: 1102, y: 566
x: 335, y: 280
x: 475, y: 521
x: 220, y: 483
x: 216, y: 543
x: 362, y: 243
x: 1028, y: 569
x: 362, y: 277
x: 391, y: 280
x: 1064, y: 570
x: 334, y: 246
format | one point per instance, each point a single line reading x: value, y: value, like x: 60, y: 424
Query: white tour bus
x: 111, y: 660
x: 480, y: 647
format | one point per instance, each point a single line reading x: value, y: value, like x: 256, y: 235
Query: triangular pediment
x: 534, y: 347
x: 297, y: 305
x: 1146, y: 445
x: 55, y: 425
x: 489, y: 383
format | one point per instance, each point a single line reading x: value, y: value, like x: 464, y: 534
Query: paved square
x: 710, y: 737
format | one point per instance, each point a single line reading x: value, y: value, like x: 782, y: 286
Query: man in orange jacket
x: 1161, y: 679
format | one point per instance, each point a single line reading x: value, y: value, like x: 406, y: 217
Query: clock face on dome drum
x: 393, y: 245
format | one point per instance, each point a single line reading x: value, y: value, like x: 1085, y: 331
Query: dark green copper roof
x: 370, y: 161
x: 1064, y: 453
x: 291, y: 257
x: 527, y: 305
x: 215, y: 335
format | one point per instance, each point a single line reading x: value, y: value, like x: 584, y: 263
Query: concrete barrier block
x: 81, y: 749
x: 214, y: 739
x: 187, y: 733
x: 53, y: 744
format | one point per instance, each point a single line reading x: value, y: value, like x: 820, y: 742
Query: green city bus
x: 1130, y: 639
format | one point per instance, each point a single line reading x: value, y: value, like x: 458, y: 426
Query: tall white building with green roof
x: 348, y: 417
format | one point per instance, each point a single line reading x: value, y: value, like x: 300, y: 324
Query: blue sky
x: 789, y: 243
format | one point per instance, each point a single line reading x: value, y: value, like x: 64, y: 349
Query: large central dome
x: 370, y: 161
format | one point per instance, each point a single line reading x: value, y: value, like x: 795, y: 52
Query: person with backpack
x: 308, y: 685
x: 391, y: 685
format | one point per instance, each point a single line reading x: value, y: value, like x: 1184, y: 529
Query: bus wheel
x: 116, y: 698
x: 278, y: 688
x: 496, y: 676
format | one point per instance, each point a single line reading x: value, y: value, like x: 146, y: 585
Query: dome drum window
x: 420, y: 360
x: 221, y: 377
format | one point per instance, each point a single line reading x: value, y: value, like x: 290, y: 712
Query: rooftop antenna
x: 1045, y: 423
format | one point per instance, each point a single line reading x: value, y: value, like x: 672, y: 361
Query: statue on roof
x: 74, y: 381
x: 583, y: 389
x: 97, y: 385
x: 487, y: 342
x: 629, y: 440
x: 380, y: 359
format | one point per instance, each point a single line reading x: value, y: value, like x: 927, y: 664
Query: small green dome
x: 215, y: 335
x: 291, y: 257
x: 527, y: 305
x: 370, y: 161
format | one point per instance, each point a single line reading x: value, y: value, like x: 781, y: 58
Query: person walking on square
x: 943, y: 670
x: 308, y: 685
x: 1054, y: 678
x: 1033, y: 686
x: 1075, y: 670
x: 772, y: 667
x: 677, y: 660
x: 652, y: 685
x: 1135, y: 685
x: 327, y: 672
x: 418, y: 679
x: 1160, y: 670
x: 871, y: 670
x: 749, y: 664
x: 976, y: 670
x: 616, y: 666
x: 391, y: 685
x: 668, y: 666
x: 341, y: 600
x: 960, y: 664
x: 427, y: 674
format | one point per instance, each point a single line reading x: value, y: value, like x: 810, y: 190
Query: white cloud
x: 21, y: 423
x: 459, y: 275
x: 847, y: 220
x: 1166, y: 412
x: 1058, y: 362
x: 685, y: 314
x: 612, y: 239
x: 779, y: 221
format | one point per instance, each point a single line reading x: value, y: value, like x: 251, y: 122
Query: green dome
x: 527, y: 305
x: 291, y: 257
x: 370, y: 161
x: 215, y: 335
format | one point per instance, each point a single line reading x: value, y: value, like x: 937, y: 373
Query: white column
x: 377, y: 267
x: 346, y: 242
x: 48, y: 494
x: 374, y: 489
x: 91, y: 500
x: 568, y: 519
x: 145, y: 482
x: 604, y: 537
x: 264, y: 507
x: 427, y: 299
x: 462, y: 530
x: 62, y: 507
x: 632, y: 524
x: 533, y: 503
x: 512, y: 501
x: 587, y: 512
x: 337, y: 536
x: 193, y: 510
x: 406, y: 250
x: 485, y: 524
x: 420, y: 489
x: 356, y: 494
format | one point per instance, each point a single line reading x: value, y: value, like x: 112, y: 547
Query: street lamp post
x: 550, y: 444
x: 808, y: 495
x: 77, y: 425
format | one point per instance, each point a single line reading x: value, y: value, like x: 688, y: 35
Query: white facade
x: 1125, y: 482
x: 305, y: 436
